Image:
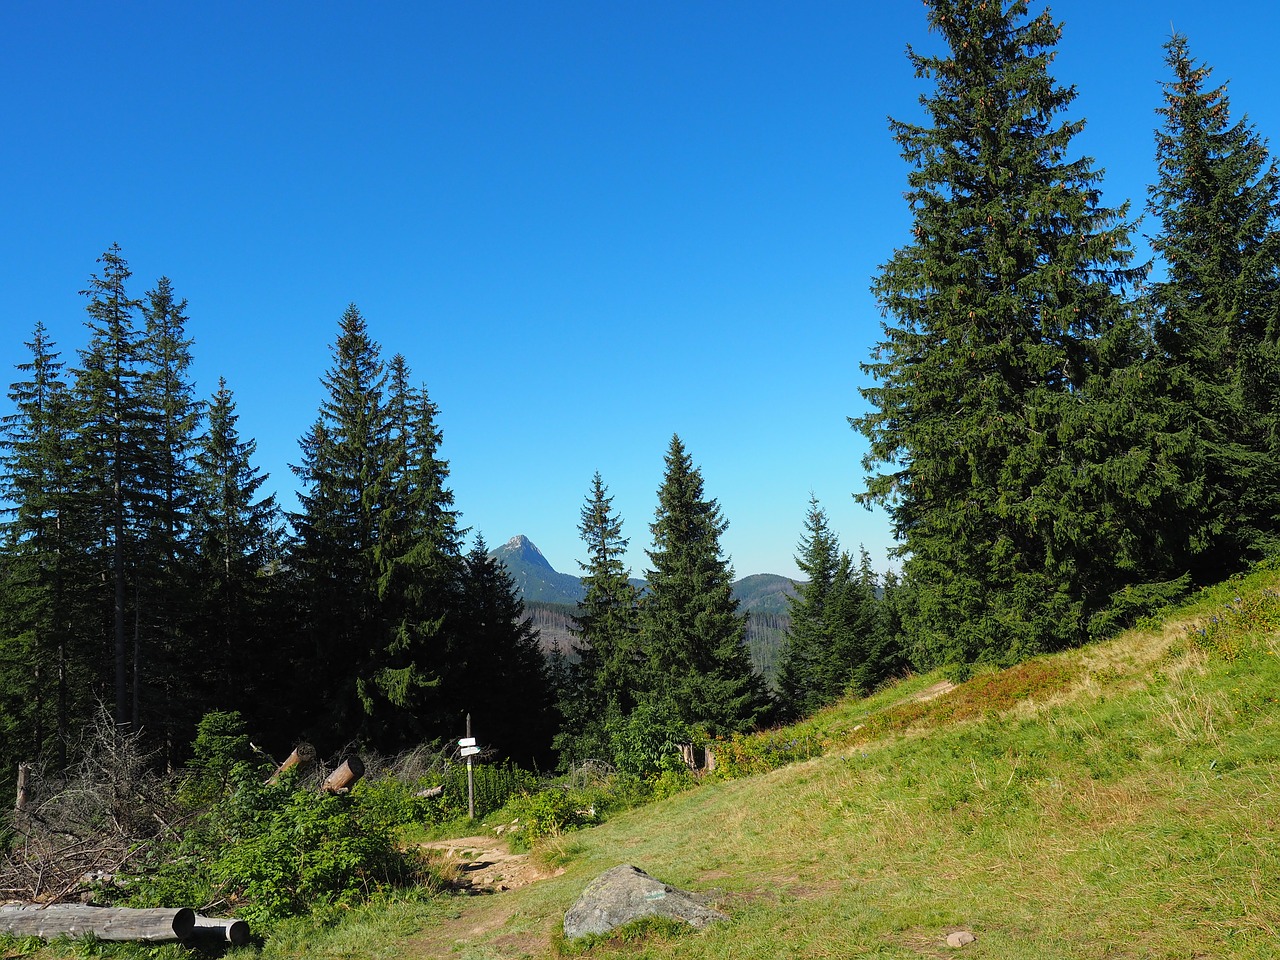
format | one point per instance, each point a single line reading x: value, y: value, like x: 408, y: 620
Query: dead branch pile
x: 78, y: 831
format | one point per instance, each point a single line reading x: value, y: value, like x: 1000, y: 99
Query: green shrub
x: 745, y: 755
x: 647, y: 742
x: 274, y: 851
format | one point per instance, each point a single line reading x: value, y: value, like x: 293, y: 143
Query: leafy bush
x: 746, y: 755
x: 647, y: 742
x: 273, y: 851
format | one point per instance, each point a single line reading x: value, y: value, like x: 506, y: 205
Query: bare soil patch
x: 485, y: 865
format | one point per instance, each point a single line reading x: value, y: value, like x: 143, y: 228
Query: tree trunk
x: 234, y: 932
x: 345, y: 776
x: 105, y: 923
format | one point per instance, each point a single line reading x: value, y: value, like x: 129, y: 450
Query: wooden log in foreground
x: 351, y: 770
x: 105, y: 923
x: 234, y: 932
x: 303, y: 757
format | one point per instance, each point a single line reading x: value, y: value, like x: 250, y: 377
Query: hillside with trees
x: 1067, y: 441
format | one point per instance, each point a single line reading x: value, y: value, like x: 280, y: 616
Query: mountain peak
x: 525, y: 549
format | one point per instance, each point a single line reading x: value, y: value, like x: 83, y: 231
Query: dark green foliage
x: 379, y: 579
x: 839, y: 640
x: 691, y: 634
x: 112, y: 420
x: 599, y: 686
x: 1217, y: 317
x: 337, y: 528
x: 498, y: 673
x: 43, y: 655
x: 236, y: 536
x: 1015, y: 434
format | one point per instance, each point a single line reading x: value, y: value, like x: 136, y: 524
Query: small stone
x: 960, y: 938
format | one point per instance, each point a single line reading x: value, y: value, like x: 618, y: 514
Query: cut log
x: 105, y: 923
x: 234, y: 932
x: 303, y: 757
x: 343, y: 778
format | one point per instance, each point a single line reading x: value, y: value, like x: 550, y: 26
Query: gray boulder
x: 625, y: 893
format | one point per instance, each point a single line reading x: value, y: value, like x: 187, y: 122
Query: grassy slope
x: 1118, y: 801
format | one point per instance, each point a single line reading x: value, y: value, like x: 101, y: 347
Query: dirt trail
x: 485, y: 865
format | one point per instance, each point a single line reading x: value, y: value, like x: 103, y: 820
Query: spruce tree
x: 420, y: 572
x: 1218, y: 315
x: 165, y: 642
x: 691, y: 634
x: 809, y: 639
x: 1010, y: 438
x: 836, y: 643
x: 236, y: 534
x: 46, y: 676
x: 599, y: 686
x: 501, y: 677
x: 112, y: 420
x: 342, y: 501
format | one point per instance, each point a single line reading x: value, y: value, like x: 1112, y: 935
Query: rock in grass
x: 625, y: 893
x: 960, y: 938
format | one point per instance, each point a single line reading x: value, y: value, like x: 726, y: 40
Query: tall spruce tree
x: 236, y: 533
x: 46, y: 671
x: 1010, y: 438
x: 1218, y: 315
x: 809, y: 639
x: 691, y: 633
x: 836, y: 642
x: 503, y: 680
x: 599, y: 688
x: 342, y: 500
x: 420, y: 572
x: 164, y: 639
x: 113, y: 422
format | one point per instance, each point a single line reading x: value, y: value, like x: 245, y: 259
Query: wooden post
x: 20, y: 804
x: 343, y: 778
x: 471, y: 781
x: 303, y: 757
x: 105, y: 923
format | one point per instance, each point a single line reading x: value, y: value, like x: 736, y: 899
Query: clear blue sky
x: 586, y: 225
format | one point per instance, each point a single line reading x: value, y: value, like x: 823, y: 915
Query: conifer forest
x: 1064, y: 437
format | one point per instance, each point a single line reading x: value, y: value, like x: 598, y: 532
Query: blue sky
x: 586, y: 225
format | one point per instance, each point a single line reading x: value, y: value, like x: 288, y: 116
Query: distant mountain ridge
x: 551, y: 598
x: 539, y: 582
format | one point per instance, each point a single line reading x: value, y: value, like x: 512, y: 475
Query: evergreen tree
x: 809, y: 639
x: 1017, y: 450
x: 1218, y: 315
x: 164, y: 634
x: 503, y: 680
x: 691, y: 634
x: 236, y: 534
x: 420, y: 571
x: 836, y: 642
x: 599, y: 686
x: 45, y: 670
x: 112, y: 421
x: 342, y: 500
